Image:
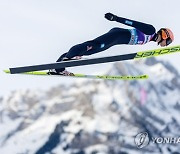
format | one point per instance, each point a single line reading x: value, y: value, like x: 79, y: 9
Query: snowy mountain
x: 95, y: 116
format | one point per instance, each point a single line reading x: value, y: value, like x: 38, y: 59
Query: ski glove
x: 111, y: 17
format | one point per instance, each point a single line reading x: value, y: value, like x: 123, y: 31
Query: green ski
x: 105, y: 77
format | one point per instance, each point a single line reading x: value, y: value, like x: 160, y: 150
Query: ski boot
x: 64, y: 73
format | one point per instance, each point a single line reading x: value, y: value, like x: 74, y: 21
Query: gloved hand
x: 110, y: 16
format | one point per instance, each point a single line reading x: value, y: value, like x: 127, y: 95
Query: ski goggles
x: 168, y: 41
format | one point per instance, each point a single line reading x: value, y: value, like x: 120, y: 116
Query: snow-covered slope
x: 95, y: 116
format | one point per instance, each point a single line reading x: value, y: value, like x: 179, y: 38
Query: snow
x: 105, y: 124
x: 102, y: 148
x: 8, y: 126
x: 60, y: 150
x: 160, y: 73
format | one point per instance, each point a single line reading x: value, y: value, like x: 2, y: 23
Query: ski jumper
x: 140, y: 34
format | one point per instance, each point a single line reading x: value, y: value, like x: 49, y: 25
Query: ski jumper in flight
x: 140, y: 34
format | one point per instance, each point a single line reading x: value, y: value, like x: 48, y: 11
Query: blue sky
x: 36, y: 32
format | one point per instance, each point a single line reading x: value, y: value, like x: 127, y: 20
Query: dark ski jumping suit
x: 140, y: 34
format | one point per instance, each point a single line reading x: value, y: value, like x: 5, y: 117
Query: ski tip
x: 140, y: 77
x: 145, y: 76
x: 7, y: 71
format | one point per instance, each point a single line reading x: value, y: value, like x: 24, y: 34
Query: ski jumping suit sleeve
x: 140, y: 34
